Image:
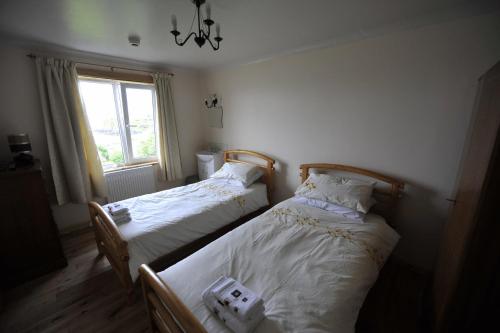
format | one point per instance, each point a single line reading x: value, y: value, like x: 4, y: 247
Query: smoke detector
x: 134, y: 40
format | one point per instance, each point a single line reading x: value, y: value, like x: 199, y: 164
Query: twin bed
x: 312, y: 268
x: 169, y: 225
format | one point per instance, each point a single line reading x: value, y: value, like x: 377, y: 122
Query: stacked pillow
x: 352, y: 198
x: 241, y: 173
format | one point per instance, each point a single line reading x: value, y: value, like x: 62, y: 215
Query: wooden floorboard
x: 394, y: 303
x: 86, y: 296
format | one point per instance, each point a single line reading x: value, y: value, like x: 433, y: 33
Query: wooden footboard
x: 110, y: 243
x: 166, y: 311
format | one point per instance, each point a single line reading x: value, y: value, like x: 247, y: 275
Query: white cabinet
x: 208, y: 163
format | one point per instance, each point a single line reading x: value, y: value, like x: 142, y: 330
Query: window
x: 122, y: 117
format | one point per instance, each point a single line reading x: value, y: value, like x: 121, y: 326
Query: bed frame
x: 167, y: 313
x: 110, y: 241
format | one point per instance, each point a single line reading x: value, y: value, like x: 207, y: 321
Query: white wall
x: 399, y: 104
x: 20, y: 112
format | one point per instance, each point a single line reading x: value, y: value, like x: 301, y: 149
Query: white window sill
x: 130, y: 166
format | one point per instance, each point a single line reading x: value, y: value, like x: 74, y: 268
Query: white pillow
x: 245, y: 174
x: 331, y: 207
x: 348, y: 192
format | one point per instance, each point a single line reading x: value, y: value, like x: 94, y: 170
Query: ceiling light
x: 134, y: 40
x: 203, y: 33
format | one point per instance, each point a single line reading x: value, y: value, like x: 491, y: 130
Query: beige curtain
x: 169, y: 154
x: 75, y: 164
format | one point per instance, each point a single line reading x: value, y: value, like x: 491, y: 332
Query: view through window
x: 122, y: 117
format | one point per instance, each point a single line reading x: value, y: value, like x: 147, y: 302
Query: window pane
x: 141, y: 122
x: 99, y: 102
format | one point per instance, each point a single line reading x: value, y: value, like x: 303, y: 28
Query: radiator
x: 128, y: 183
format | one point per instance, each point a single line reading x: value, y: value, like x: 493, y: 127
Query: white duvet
x: 166, y: 220
x: 312, y: 268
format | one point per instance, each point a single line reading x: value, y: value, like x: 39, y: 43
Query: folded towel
x: 225, y: 311
x: 243, y: 302
x: 117, y: 209
x: 125, y: 218
x: 229, y: 319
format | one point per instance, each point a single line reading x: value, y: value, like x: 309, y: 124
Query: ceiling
x: 252, y: 30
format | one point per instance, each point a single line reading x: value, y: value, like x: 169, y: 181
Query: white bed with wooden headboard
x: 312, y: 268
x: 167, y: 226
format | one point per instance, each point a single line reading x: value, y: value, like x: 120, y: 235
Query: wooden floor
x: 86, y: 297
x: 83, y: 297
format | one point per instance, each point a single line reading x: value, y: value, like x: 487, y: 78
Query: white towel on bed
x: 122, y: 218
x: 243, y: 302
x: 117, y: 209
x: 230, y: 320
x: 223, y: 310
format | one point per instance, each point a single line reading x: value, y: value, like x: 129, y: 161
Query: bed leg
x: 145, y: 290
x: 94, y: 222
x: 100, y: 251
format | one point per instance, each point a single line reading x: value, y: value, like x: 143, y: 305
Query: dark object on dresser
x: 29, y: 239
x: 20, y: 146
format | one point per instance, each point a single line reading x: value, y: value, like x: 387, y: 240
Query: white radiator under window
x: 128, y: 183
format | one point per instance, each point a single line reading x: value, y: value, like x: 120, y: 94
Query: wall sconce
x: 215, y: 114
x: 212, y: 101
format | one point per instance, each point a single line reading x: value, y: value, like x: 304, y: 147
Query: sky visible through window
x: 141, y: 120
x: 108, y: 111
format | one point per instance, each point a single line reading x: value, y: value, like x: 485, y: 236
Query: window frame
x: 126, y: 122
x: 122, y: 116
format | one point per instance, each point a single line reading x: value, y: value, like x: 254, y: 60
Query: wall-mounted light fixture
x: 212, y: 101
x: 215, y: 113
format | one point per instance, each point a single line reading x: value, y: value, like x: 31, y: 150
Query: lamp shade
x: 19, y: 143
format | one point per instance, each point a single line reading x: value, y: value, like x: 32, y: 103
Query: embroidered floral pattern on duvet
x: 223, y: 192
x: 287, y: 215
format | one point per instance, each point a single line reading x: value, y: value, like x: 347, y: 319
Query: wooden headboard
x: 265, y: 163
x: 386, y: 197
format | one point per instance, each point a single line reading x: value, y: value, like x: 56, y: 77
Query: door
x: 477, y: 174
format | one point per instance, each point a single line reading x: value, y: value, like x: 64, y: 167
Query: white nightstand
x: 208, y: 163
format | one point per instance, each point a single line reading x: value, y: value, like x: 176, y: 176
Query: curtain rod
x: 32, y: 56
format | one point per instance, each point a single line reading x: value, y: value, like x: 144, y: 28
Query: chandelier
x: 203, y: 33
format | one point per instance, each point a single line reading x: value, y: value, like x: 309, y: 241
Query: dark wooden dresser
x: 29, y: 239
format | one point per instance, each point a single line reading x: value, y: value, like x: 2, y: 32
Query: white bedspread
x: 166, y: 220
x: 312, y: 268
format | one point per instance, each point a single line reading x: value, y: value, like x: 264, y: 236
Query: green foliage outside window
x: 103, y: 152
x: 116, y: 157
x: 113, y: 156
x: 147, y: 147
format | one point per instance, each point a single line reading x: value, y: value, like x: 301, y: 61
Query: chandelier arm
x: 210, y: 41
x: 185, y: 40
